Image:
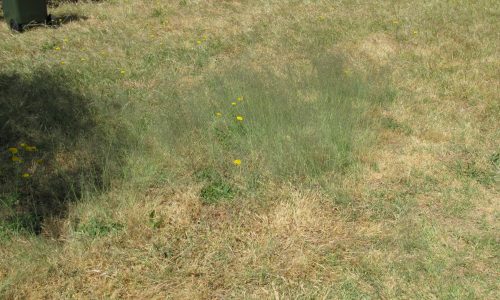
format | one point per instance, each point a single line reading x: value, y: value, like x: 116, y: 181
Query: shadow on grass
x: 64, y: 19
x: 56, y: 21
x: 52, y: 148
x: 56, y: 3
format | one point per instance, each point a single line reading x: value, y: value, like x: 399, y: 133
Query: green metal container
x: 19, y: 13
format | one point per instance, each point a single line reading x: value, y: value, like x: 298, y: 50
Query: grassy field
x: 252, y: 149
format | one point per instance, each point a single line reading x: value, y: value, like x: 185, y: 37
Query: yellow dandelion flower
x: 63, y: 62
x: 239, y: 118
x: 122, y: 72
x: 65, y: 40
x: 26, y: 175
x: 204, y: 37
x: 57, y: 48
x: 16, y: 159
x: 237, y: 162
x: 415, y: 32
x: 218, y: 114
x: 13, y: 150
x: 198, y: 42
x: 83, y: 59
x: 240, y: 98
x: 233, y: 103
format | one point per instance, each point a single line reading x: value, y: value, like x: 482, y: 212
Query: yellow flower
x: 122, y: 71
x: 62, y: 63
x: 204, y: 37
x: 65, y: 40
x: 30, y: 148
x: 83, y: 59
x: 13, y: 150
x: 237, y: 162
x: 57, y: 48
x: 26, y: 175
x: 16, y: 159
x: 240, y: 98
x: 233, y: 103
x: 218, y: 114
x: 198, y: 42
x: 24, y: 145
x: 239, y: 118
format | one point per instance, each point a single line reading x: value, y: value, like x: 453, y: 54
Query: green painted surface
x: 25, y: 11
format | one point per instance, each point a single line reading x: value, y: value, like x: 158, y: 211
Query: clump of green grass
x: 97, y: 228
x: 394, y: 125
x: 216, y: 188
x: 294, y: 127
x: 215, y: 191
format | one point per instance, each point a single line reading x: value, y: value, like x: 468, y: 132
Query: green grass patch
x: 307, y: 123
x: 394, y: 125
x: 97, y: 228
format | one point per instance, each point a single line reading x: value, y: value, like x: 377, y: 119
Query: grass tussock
x: 207, y: 149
